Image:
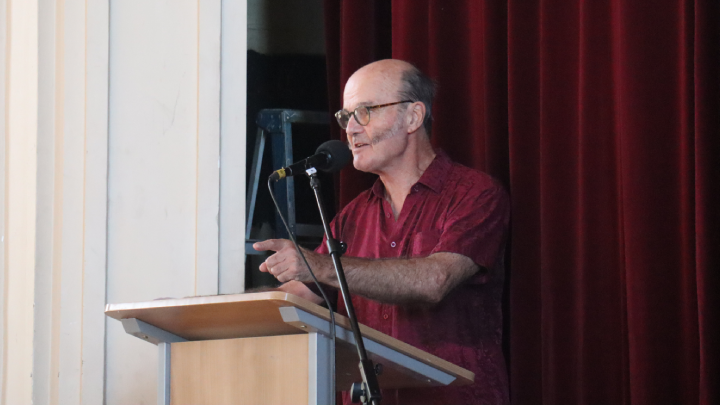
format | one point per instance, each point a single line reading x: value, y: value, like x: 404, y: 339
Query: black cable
x: 317, y: 283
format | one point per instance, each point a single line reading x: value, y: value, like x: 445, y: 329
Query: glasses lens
x: 342, y: 117
x: 362, y: 115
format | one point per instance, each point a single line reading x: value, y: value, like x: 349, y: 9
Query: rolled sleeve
x: 477, y: 227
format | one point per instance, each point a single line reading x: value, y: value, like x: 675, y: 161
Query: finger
x: 264, y: 268
x: 283, y: 271
x: 275, y: 260
x: 274, y: 270
x: 284, y: 275
x: 270, y: 244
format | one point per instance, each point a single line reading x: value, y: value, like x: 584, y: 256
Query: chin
x: 362, y: 164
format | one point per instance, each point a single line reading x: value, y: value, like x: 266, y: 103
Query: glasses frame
x: 369, y: 108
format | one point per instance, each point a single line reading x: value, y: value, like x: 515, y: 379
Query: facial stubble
x: 390, y: 132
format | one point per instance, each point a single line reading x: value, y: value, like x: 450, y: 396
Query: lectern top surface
x: 218, y: 316
x: 251, y: 315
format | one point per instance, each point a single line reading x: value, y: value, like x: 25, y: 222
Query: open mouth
x: 359, y: 145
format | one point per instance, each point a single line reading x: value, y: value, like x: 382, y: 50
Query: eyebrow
x: 362, y: 104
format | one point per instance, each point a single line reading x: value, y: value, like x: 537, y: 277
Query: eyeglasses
x: 361, y: 114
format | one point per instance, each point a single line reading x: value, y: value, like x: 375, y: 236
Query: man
x: 425, y: 243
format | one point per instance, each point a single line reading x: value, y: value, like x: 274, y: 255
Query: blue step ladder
x: 275, y: 126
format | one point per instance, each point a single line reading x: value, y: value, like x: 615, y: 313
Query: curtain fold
x: 707, y: 193
x: 602, y: 119
x: 357, y: 32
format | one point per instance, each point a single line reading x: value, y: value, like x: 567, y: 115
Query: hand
x: 301, y: 290
x: 287, y: 265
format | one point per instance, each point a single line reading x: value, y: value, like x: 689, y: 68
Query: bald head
x: 387, y: 71
x: 384, y: 75
x: 400, y: 78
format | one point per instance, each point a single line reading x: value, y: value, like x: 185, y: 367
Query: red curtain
x: 603, y: 120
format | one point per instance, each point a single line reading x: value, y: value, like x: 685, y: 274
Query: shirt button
x: 392, y: 244
x: 385, y: 316
x: 387, y: 215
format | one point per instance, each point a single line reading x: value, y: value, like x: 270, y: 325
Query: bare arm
x: 425, y: 280
x: 394, y: 281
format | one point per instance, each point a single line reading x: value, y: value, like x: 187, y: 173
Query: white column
x: 20, y: 88
x: 96, y: 185
x: 232, y: 146
x: 4, y: 30
x: 69, y: 341
x: 122, y: 156
x: 167, y: 138
x: 208, y: 147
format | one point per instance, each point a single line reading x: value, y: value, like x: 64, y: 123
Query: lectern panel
x: 259, y: 371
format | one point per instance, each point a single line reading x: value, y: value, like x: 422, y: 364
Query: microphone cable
x: 317, y: 283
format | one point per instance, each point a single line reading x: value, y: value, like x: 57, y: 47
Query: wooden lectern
x: 267, y: 348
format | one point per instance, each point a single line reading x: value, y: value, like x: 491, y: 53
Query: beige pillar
x: 102, y: 149
x: 20, y: 90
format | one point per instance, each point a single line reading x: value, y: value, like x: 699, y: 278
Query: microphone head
x: 338, y: 155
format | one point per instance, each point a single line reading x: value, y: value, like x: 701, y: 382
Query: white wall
x: 122, y: 158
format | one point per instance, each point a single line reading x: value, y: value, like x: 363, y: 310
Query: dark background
x: 299, y: 82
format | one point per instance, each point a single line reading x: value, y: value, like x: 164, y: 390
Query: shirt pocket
x: 424, y: 242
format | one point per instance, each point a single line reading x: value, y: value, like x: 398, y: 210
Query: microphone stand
x: 369, y: 392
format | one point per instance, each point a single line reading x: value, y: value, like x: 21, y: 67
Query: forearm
x: 395, y: 281
x: 417, y: 280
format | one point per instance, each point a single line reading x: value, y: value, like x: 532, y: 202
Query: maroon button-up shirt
x: 455, y: 209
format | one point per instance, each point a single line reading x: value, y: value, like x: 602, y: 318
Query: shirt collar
x: 433, y: 178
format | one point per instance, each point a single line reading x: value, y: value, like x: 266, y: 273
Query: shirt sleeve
x: 476, y: 227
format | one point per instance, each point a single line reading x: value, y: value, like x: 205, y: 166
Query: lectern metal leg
x: 163, y: 384
x: 320, y: 390
x: 163, y: 339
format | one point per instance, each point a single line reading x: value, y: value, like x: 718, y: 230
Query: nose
x: 353, y: 127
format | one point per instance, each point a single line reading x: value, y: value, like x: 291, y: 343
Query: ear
x: 415, y: 116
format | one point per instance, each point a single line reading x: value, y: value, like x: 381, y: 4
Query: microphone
x: 329, y: 157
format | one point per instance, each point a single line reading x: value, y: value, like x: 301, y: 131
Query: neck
x: 401, y: 177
